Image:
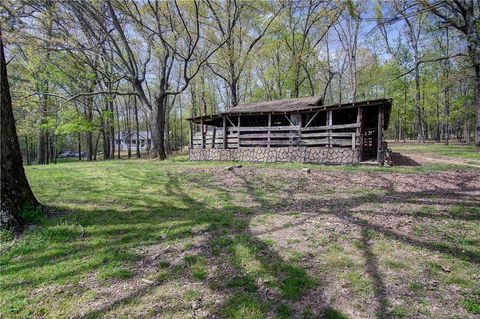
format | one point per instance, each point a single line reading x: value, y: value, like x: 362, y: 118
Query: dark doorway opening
x: 369, y: 130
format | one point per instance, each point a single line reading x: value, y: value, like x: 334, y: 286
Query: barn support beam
x: 238, y: 130
x: 380, y: 135
x: 202, y: 146
x: 191, y: 134
x: 269, y: 129
x: 360, y: 133
x: 311, y: 120
x: 329, y: 123
x: 299, y: 133
x: 225, y: 141
x: 214, y: 136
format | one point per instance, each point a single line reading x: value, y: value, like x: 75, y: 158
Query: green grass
x: 334, y: 314
x: 453, y: 150
x: 472, y: 306
x: 284, y: 311
x: 120, y: 273
x: 242, y: 306
x: 170, y: 233
x: 358, y: 283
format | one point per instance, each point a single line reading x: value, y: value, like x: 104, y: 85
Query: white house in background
x: 122, y: 140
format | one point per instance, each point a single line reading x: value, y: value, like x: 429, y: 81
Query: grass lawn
x: 180, y: 239
x: 454, y: 150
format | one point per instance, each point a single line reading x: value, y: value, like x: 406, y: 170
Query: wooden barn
x: 293, y: 130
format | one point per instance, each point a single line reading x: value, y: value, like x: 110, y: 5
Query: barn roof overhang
x: 299, y: 108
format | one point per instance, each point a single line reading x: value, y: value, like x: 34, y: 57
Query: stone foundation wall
x: 321, y: 155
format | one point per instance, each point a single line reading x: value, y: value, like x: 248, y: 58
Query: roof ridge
x: 318, y: 100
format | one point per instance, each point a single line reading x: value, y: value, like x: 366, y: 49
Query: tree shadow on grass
x: 255, y: 280
x: 399, y: 159
x: 342, y: 208
x: 239, y: 246
x: 254, y: 271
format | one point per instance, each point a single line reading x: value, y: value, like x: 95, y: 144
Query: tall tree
x: 348, y: 34
x: 179, y: 28
x: 245, y: 36
x: 308, y: 23
x: 414, y: 32
x: 463, y: 15
x: 15, y: 192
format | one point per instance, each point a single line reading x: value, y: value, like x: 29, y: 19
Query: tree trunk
x: 418, y: 109
x: 340, y: 88
x: 79, y: 147
x: 477, y: 101
x: 106, y: 141
x: 89, y: 132
x: 27, y: 153
x: 167, y: 142
x: 105, y: 130
x: 157, y: 120
x: 95, y: 150
x: 32, y: 152
x: 128, y: 129
x: 53, y: 148
x: 47, y: 148
x: 137, y: 126
x: 112, y: 130
x: 111, y: 125
x: 466, y: 123
x: 473, y: 36
x: 437, y: 112
x: 446, y: 123
x: 41, y: 144
x: 234, y: 92
x: 15, y: 191
x: 296, y: 80
x: 447, y: 94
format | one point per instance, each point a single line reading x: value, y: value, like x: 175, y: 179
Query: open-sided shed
x: 293, y: 130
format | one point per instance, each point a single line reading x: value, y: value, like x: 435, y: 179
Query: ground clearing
x: 427, y: 154
x: 179, y: 239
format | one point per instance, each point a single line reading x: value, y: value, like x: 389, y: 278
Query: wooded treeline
x: 83, y: 71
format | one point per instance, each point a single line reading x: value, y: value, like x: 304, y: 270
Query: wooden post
x: 299, y: 137
x: 202, y: 144
x: 329, y: 123
x: 191, y: 134
x: 269, y: 131
x: 380, y: 135
x: 360, y: 133
x: 238, y: 131
x: 225, y: 141
x: 213, y: 136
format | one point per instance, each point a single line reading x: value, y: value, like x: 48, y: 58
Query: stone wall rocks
x: 321, y: 155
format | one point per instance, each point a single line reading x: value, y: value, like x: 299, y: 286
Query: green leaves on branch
x: 73, y: 122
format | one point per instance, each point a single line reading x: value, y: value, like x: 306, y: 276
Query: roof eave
x: 311, y: 108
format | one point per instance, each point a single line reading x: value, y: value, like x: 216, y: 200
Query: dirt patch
x: 369, y: 238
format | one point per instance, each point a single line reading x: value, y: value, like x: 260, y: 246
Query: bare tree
x: 404, y: 10
x: 179, y: 32
x: 348, y: 34
x: 238, y: 49
x: 308, y: 24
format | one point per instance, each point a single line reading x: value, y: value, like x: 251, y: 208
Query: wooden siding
x: 280, y: 136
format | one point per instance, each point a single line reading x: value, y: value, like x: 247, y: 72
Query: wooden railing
x: 278, y: 136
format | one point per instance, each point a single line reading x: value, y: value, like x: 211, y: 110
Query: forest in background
x: 83, y: 71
